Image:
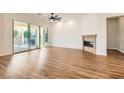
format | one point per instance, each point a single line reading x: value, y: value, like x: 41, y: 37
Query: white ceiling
x: 65, y: 16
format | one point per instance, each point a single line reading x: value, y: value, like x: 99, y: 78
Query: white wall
x: 100, y: 28
x: 112, y: 33
x: 7, y: 32
x: 115, y: 33
x: 67, y: 33
x: 102, y: 31
x: 99, y: 25
x: 92, y: 23
x: 121, y: 34
x: 1, y: 33
x: 90, y: 26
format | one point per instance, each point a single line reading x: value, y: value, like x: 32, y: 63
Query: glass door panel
x: 21, y: 36
x: 34, y: 37
x: 46, y: 36
x: 43, y: 36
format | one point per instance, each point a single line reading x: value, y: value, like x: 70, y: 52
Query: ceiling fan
x: 54, y: 17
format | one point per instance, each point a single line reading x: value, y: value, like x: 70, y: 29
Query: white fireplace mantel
x: 89, y: 43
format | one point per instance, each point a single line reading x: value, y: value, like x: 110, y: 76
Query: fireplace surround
x: 89, y: 43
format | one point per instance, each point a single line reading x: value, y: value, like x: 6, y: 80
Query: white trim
x: 122, y: 51
x: 113, y: 48
x: 67, y: 47
x: 5, y: 54
x: 101, y: 54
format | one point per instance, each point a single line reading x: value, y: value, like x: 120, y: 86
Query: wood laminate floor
x: 61, y: 63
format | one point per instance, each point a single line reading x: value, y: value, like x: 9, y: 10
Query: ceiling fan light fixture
x: 54, y: 17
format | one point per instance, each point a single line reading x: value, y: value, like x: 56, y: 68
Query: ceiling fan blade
x: 54, y: 19
x: 60, y: 18
x: 56, y: 15
x: 39, y: 14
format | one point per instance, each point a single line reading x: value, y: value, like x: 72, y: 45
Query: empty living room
x: 61, y: 45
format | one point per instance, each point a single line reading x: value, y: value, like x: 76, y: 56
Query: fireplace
x: 89, y: 43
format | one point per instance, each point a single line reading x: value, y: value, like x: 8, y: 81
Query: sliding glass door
x: 43, y: 36
x: 21, y: 36
x: 27, y: 36
x: 34, y: 37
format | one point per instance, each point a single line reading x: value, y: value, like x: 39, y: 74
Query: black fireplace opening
x: 88, y: 43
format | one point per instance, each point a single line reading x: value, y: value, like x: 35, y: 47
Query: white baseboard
x: 67, y: 47
x: 122, y: 51
x: 5, y: 54
x: 113, y: 48
x: 101, y: 54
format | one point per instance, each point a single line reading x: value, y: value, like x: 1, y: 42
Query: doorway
x: 115, y: 34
